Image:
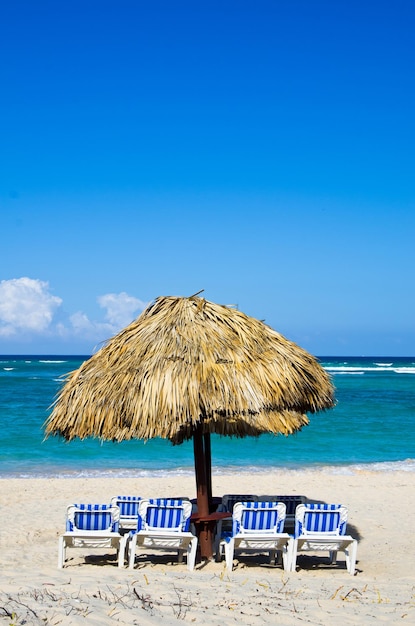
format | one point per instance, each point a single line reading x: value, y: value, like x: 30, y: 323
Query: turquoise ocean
x: 371, y: 427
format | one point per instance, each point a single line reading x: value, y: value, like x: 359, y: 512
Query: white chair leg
x: 191, y: 554
x: 351, y: 554
x: 333, y: 557
x: 229, y: 551
x: 218, y: 551
x: 294, y: 551
x: 286, y: 556
x: 123, y: 550
x: 131, y: 549
x: 61, y: 552
x: 218, y: 536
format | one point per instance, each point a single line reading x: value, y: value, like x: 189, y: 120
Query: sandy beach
x: 34, y: 591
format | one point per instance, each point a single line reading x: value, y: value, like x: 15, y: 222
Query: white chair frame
x: 164, y: 539
x: 332, y: 541
x: 266, y: 540
x: 79, y: 538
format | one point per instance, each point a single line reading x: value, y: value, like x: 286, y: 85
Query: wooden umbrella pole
x: 204, y: 524
x: 200, y: 470
x: 208, y: 466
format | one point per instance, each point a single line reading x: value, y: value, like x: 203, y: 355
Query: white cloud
x: 26, y: 305
x: 81, y: 323
x: 29, y: 310
x: 121, y: 308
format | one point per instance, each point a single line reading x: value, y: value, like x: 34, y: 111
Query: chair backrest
x: 258, y: 517
x: 128, y: 505
x: 230, y: 499
x: 92, y: 517
x: 291, y: 502
x: 168, y: 501
x: 317, y: 519
x: 165, y: 514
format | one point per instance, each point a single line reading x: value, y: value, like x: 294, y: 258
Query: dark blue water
x: 372, y: 423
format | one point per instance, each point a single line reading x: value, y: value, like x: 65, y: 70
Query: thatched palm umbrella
x: 186, y: 368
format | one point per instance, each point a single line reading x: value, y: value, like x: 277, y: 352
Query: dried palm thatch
x: 187, y: 363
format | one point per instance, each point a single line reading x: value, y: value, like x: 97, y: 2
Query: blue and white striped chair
x: 224, y: 526
x: 258, y: 527
x: 163, y: 524
x: 91, y: 526
x: 291, y: 502
x: 128, y: 506
x: 322, y: 527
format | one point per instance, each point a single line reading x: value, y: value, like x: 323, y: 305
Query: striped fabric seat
x: 168, y: 501
x: 168, y: 514
x: 258, y: 527
x: 164, y: 524
x: 91, y: 526
x: 94, y: 517
x: 259, y: 517
x: 128, y: 506
x: 322, y: 518
x: 322, y: 527
x: 224, y: 526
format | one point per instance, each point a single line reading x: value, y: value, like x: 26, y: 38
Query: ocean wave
x: 356, y: 468
x: 407, y: 465
x: 98, y: 473
x: 342, y: 369
x: 49, y: 361
x: 348, y: 373
x: 353, y: 368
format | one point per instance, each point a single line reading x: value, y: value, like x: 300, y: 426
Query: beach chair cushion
x: 164, y: 524
x: 322, y: 527
x: 321, y: 518
x: 91, y: 526
x: 92, y: 517
x: 166, y: 516
x: 224, y: 526
x: 128, y: 505
x: 258, y: 527
x: 258, y: 517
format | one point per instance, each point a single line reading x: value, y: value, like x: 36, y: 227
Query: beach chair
x: 163, y: 524
x: 224, y: 526
x: 91, y: 526
x: 258, y: 527
x: 128, y: 506
x: 230, y: 499
x: 322, y: 527
x: 291, y: 502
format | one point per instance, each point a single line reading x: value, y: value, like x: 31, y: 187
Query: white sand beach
x: 94, y: 591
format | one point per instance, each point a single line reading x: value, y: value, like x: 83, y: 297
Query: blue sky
x: 262, y: 151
